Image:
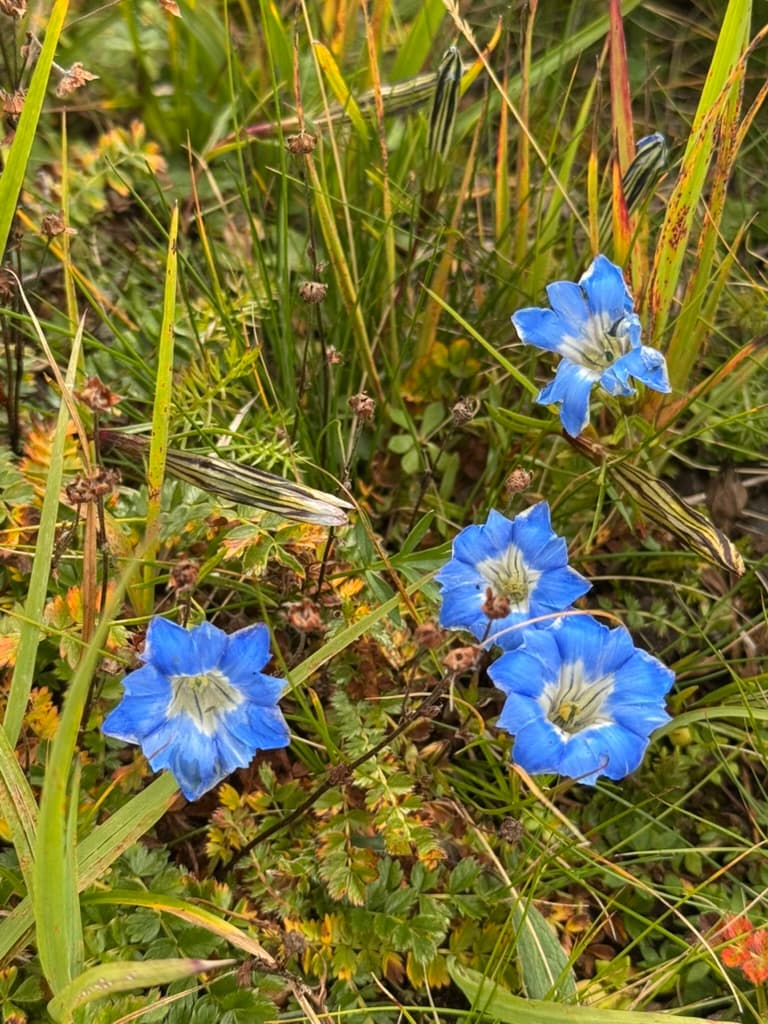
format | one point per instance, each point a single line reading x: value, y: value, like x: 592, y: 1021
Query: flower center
x: 575, y: 702
x: 204, y: 698
x: 510, y: 577
x: 600, y: 345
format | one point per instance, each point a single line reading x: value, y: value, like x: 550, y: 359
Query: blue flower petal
x: 461, y: 606
x: 542, y: 328
x: 266, y: 729
x: 571, y: 387
x: 610, y: 751
x: 645, y: 364
x: 471, y: 545
x: 606, y: 290
x: 181, y: 652
x: 525, y: 671
x: 144, y: 705
x: 517, y: 713
x: 247, y: 652
x: 570, y: 303
x: 196, y: 761
x: 539, y: 747
x: 558, y: 589
x: 498, y: 532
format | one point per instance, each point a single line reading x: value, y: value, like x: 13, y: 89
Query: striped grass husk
x: 241, y: 483
x: 659, y: 503
x: 442, y: 117
x: 641, y: 177
x: 644, y: 172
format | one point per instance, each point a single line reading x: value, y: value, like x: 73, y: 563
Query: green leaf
x: 421, y: 38
x: 543, y: 963
x: 108, y: 979
x: 500, y: 1005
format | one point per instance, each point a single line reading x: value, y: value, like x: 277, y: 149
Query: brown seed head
x: 7, y: 284
x: 462, y: 659
x: 300, y: 144
x: 184, y: 576
x: 97, y: 396
x: 312, y: 291
x: 12, y: 102
x: 13, y: 8
x: 511, y: 831
x: 87, y: 489
x: 495, y: 606
x: 363, y: 406
x: 464, y: 411
x: 53, y: 224
x: 517, y: 481
x: 74, y: 79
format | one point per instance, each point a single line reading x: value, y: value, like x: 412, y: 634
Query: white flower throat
x: 509, y: 576
x: 600, y: 345
x: 203, y: 698
x: 575, y: 702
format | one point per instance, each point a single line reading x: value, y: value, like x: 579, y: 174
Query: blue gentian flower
x: 593, y: 326
x: 582, y: 700
x: 199, y: 705
x: 505, y: 572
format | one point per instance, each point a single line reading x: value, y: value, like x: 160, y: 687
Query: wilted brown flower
x: 428, y: 635
x: 74, y: 79
x: 305, y: 617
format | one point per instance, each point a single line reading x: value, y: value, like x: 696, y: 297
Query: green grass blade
x: 29, y: 626
x: 421, y: 38
x: 15, y: 166
x: 678, y: 223
x: 340, y: 89
x: 161, y: 411
x: 98, y: 851
x: 18, y: 808
x: 496, y: 1003
x: 125, y: 976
